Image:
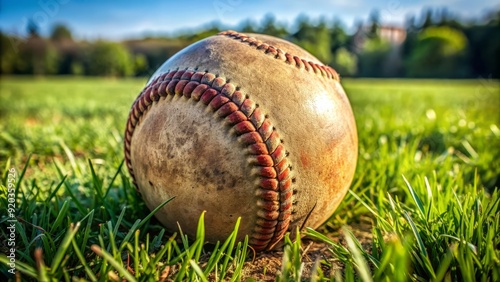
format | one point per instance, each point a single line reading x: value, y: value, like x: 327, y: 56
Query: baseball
x: 246, y: 126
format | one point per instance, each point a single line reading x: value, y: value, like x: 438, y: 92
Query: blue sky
x: 90, y: 19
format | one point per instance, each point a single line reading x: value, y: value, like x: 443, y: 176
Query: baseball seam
x: 279, y: 54
x: 255, y: 131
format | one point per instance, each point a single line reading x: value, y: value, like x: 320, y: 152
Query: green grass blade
x: 241, y: 255
x: 420, y: 243
x: 119, y: 220
x: 89, y: 217
x: 421, y: 246
x: 83, y: 261
x: 63, y: 213
x: 232, y: 240
x: 97, y: 183
x: 116, y: 265
x: 71, y: 158
x: 200, y: 235
x: 368, y: 207
x: 127, y: 237
x: 214, y: 258
x: 183, y: 269
x: 470, y: 245
x: 114, y: 178
x: 75, y: 200
x: 360, y: 262
x: 443, y: 267
x: 144, y: 220
x: 415, y: 197
x: 63, y: 248
x: 21, y: 175
x: 53, y: 193
x: 429, y: 198
x: 163, y: 251
x: 136, y: 253
x: 198, y: 271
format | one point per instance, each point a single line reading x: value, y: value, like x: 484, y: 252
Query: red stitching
x: 270, y: 166
x: 318, y: 69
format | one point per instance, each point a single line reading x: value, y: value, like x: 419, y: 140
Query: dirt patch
x: 267, y: 266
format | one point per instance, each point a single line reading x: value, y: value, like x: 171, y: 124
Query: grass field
x: 424, y: 204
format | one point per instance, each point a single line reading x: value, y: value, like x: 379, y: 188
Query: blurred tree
x: 110, y: 59
x: 356, y: 41
x: 8, y: 54
x: 51, y: 60
x: 305, y: 29
x: 426, y: 18
x: 438, y: 52
x: 155, y: 50
x: 410, y: 24
x: 60, y: 33
x: 344, y: 62
x: 269, y: 26
x: 445, y: 18
x: 484, y: 46
x: 373, y: 56
x: 32, y: 29
x: 322, y: 42
x: 70, y: 52
x: 212, y: 29
x: 37, y: 56
x: 315, y: 39
x: 493, y: 18
x: 374, y: 24
x: 338, y: 36
x: 248, y: 26
x: 140, y: 65
x: 411, y: 37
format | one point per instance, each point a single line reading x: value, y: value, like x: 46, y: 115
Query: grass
x: 426, y: 184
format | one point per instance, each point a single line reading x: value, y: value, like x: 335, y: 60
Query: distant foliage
x: 141, y: 64
x: 436, y: 44
x: 37, y: 56
x: 345, y: 62
x: 271, y: 27
x: 373, y: 57
x: 7, y: 54
x: 110, y: 59
x: 483, y: 52
x: 60, y: 32
x: 439, y: 52
x: 314, y: 38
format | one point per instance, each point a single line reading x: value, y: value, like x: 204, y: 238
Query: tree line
x: 436, y: 44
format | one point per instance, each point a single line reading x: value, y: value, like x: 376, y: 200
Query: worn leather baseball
x: 246, y: 126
